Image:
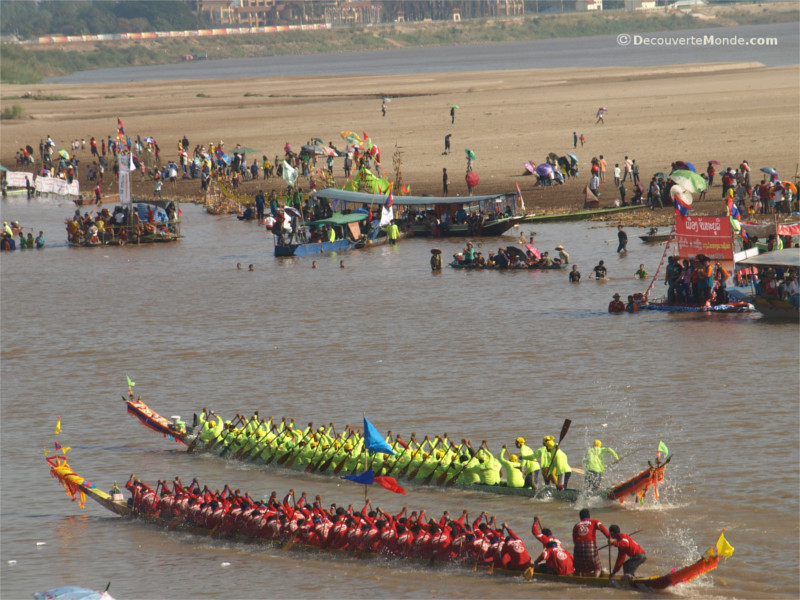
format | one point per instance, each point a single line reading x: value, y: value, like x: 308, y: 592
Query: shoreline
x: 656, y: 115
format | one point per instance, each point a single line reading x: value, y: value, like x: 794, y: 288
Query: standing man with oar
x: 558, y: 470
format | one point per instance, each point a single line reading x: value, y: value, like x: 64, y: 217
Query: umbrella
x: 691, y: 167
x: 245, y: 150
x: 685, y: 165
x: 469, y: 153
x: 387, y: 99
x: 544, y: 170
x: 319, y: 141
x: 530, y: 167
x: 291, y: 210
x: 2, y: 168
x: 661, y: 176
x: 714, y: 162
x: 769, y: 170
x: 689, y: 180
x: 573, y: 157
x: 149, y: 140
x: 553, y: 155
x: 64, y: 154
x: 602, y: 108
x: 537, y: 255
x: 454, y: 106
x: 472, y: 179
x: 639, y: 186
x: 788, y: 185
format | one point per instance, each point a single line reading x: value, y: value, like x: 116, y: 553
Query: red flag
x: 390, y: 483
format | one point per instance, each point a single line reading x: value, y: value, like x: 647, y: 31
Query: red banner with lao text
x: 704, y: 235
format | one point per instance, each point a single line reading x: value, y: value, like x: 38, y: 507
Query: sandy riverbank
x: 726, y: 112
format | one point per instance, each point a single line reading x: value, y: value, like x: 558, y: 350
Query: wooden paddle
x: 283, y: 433
x: 290, y: 462
x: 551, y: 466
x: 258, y: 450
x: 397, y: 459
x: 313, y: 455
x: 452, y: 481
x: 429, y: 478
x: 441, y: 479
x: 413, y: 475
x: 324, y: 466
x: 255, y: 450
x: 313, y: 466
x: 190, y: 449
x: 630, y: 534
x: 213, y: 443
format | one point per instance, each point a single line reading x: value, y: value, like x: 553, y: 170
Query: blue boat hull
x: 315, y: 248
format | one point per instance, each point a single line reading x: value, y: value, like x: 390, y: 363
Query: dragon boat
x: 79, y: 489
x: 635, y: 488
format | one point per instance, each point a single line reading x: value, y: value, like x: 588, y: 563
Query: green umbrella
x: 689, y: 180
x: 454, y: 106
x: 661, y: 176
x: 244, y: 151
x: 470, y: 153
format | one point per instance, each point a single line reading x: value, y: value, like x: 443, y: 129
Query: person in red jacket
x: 584, y: 535
x: 616, y: 305
x: 514, y: 556
x: 626, y: 548
x: 557, y: 561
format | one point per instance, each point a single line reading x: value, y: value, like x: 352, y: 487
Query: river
x: 582, y: 52
x: 484, y: 355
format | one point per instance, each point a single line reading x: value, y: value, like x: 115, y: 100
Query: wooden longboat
x: 80, y: 488
x: 635, y: 487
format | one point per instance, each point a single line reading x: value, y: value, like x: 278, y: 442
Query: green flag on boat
x: 131, y: 383
x: 662, y: 449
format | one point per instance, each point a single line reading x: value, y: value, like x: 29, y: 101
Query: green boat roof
x: 340, y: 219
x: 379, y: 199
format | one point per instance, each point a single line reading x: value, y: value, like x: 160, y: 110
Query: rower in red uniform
x: 514, y: 556
x: 584, y: 535
x: 626, y: 548
x: 545, y: 536
x: 557, y: 561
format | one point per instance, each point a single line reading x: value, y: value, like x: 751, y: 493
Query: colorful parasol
x: 472, y: 179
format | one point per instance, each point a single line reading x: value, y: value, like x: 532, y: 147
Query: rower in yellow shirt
x: 514, y: 476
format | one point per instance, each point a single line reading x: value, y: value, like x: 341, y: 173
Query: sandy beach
x: 656, y: 115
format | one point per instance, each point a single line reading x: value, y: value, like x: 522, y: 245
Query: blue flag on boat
x: 365, y: 478
x: 373, y: 440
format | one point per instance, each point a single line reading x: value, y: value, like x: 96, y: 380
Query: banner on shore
x: 16, y: 179
x: 60, y: 187
x: 125, y: 168
x: 704, y: 235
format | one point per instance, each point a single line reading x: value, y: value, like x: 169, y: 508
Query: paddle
x: 284, y: 433
x: 551, y: 466
x: 232, y: 427
x: 324, y: 467
x: 240, y: 452
x: 300, y: 448
x: 441, y: 479
x: 630, y: 534
x: 413, y: 475
x: 313, y: 456
x: 255, y: 450
x: 452, y: 481
x: 313, y: 466
x: 429, y: 478
x: 398, y: 459
x: 196, y: 439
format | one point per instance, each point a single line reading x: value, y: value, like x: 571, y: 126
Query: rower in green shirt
x: 594, y: 464
x: 529, y: 464
x: 514, y: 477
x: 542, y: 457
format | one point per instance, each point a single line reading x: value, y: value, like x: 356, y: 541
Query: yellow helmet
x: 598, y: 444
x: 314, y: 444
x: 348, y: 446
x: 425, y: 455
x: 549, y: 444
x: 520, y: 441
x: 440, y: 454
x: 325, y: 446
x: 514, y: 458
x: 337, y: 444
x: 414, y: 453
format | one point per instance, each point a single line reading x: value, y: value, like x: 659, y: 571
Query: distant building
x: 260, y: 13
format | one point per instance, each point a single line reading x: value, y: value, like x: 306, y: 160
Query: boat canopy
x: 362, y: 198
x: 337, y: 219
x: 788, y: 257
x: 762, y: 230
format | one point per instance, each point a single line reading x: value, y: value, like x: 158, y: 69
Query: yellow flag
x: 58, y: 426
x: 723, y: 547
x: 68, y: 448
